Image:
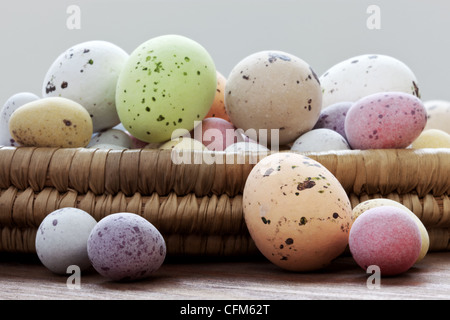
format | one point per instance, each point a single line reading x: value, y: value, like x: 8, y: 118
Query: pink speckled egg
x: 388, y: 120
x: 386, y: 237
x: 216, y: 134
x: 125, y: 246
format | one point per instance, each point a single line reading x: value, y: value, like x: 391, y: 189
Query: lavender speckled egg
x: 125, y: 247
x: 11, y: 105
x: 274, y: 93
x: 61, y: 239
x: 333, y: 117
x: 385, y: 120
x: 360, y: 76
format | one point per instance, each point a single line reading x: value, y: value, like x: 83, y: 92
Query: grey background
x: 321, y: 32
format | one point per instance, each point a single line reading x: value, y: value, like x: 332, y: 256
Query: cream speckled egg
x: 11, y: 105
x: 438, y: 115
x: 246, y: 146
x: 318, y: 140
x: 360, y: 76
x: 51, y: 122
x: 373, y: 203
x: 183, y: 143
x: 432, y: 138
x: 296, y: 211
x: 276, y: 92
x: 61, y: 239
x: 87, y: 73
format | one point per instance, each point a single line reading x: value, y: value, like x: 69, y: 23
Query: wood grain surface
x: 22, y: 277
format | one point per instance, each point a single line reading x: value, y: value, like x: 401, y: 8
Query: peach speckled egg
x: 373, y: 203
x: 432, y: 138
x: 51, y: 122
x: 296, y: 211
x: 218, y: 107
x: 385, y: 120
x: 276, y: 92
x: 438, y: 112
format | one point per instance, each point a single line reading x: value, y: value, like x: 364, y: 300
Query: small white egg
x: 319, y: 140
x: 111, y: 137
x: 245, y: 146
x: 61, y: 239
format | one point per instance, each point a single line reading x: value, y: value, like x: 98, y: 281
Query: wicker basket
x: 198, y: 207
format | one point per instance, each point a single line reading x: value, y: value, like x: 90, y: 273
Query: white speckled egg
x: 111, y: 137
x: 125, y: 247
x: 296, y: 211
x: 87, y: 73
x: 438, y: 115
x: 51, y: 122
x: 61, y: 239
x: 246, y: 146
x: 318, y: 140
x: 273, y: 91
x: 373, y: 203
x: 13, y: 103
x: 360, y: 76
x: 168, y: 83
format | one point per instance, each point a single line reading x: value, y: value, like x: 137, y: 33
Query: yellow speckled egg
x: 183, y: 143
x: 51, y: 122
x: 432, y: 138
x: 372, y: 203
x: 296, y: 211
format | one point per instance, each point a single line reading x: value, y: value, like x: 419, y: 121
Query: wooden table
x: 22, y: 277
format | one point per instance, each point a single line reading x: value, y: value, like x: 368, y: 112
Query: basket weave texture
x: 197, y: 206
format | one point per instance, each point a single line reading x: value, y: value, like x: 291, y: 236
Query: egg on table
x: 87, y: 73
x: 378, y: 202
x: 296, y: 212
x: 51, y: 122
x: 360, y: 76
x: 168, y: 83
x: 274, y: 93
x: 12, y: 104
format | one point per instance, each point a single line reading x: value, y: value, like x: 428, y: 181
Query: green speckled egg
x: 168, y: 83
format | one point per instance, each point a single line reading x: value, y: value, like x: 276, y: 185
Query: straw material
x: 197, y: 206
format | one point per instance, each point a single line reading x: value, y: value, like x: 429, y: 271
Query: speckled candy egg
x: 87, y: 73
x: 112, y: 136
x: 51, y: 122
x: 124, y: 247
x: 333, y: 117
x: 183, y: 143
x: 61, y: 239
x: 432, y: 138
x: 273, y: 90
x: 218, y: 107
x: 14, y: 102
x: 216, y: 134
x: 386, y: 237
x: 168, y: 83
x: 385, y: 120
x: 438, y: 112
x: 296, y: 211
x: 246, y: 146
x: 318, y: 140
x: 360, y: 76
x: 373, y: 203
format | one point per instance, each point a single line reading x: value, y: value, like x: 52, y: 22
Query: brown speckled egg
x: 51, y: 122
x: 296, y: 211
x: 276, y: 92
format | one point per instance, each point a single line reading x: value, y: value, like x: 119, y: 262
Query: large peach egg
x: 296, y: 212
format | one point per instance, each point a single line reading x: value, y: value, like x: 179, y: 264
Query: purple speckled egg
x: 385, y: 120
x: 333, y: 117
x: 125, y: 247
